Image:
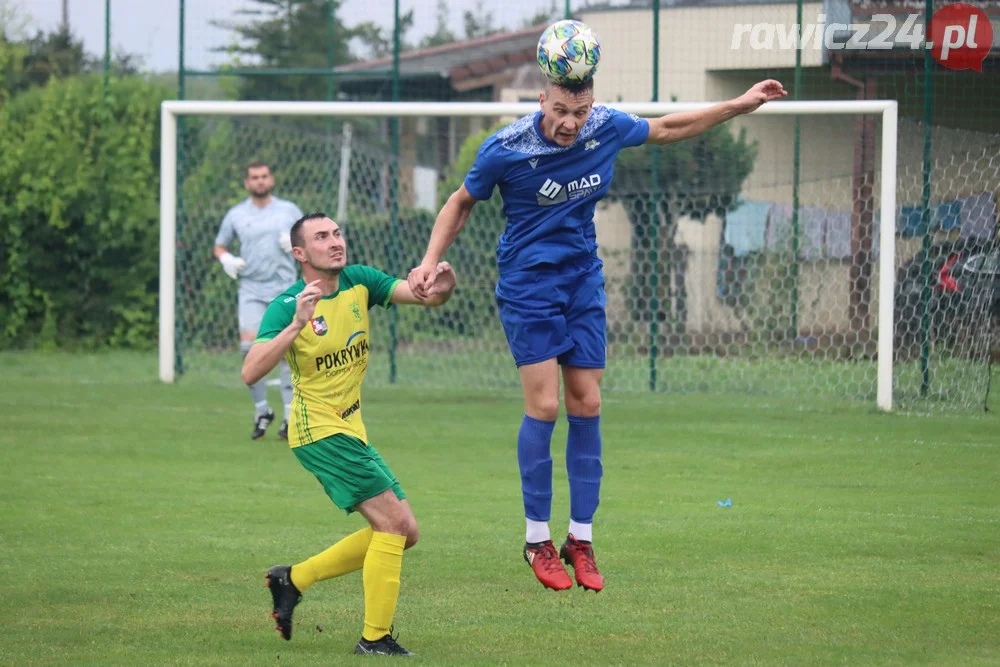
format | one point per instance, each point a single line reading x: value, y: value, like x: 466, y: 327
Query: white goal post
x: 886, y: 109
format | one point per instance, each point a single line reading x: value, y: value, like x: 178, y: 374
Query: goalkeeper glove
x: 285, y: 241
x: 232, y: 265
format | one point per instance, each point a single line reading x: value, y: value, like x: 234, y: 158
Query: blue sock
x: 583, y: 465
x: 535, y: 461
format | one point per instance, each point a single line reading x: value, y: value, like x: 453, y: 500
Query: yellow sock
x: 381, y: 575
x: 343, y: 557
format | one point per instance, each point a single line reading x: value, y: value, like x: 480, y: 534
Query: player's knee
x: 590, y: 405
x: 394, y: 525
x: 393, y: 522
x: 543, y: 408
x: 583, y: 404
x: 412, y: 533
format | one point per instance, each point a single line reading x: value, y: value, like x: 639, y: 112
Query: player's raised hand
x: 444, y: 281
x: 421, y: 278
x: 305, y: 302
x: 765, y: 91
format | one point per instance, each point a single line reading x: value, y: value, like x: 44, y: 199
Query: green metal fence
x: 782, y: 301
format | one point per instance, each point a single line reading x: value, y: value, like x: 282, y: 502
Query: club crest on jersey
x: 319, y: 326
x: 356, y: 310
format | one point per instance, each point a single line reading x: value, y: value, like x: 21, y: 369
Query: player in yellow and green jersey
x: 320, y: 327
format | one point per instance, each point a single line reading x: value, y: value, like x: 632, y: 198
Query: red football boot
x: 544, y: 562
x: 581, y: 556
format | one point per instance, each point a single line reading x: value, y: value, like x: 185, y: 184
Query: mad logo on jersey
x: 319, y: 325
x: 553, y: 193
x: 352, y: 355
x: 356, y: 309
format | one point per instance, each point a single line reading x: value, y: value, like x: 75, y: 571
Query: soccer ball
x: 568, y: 52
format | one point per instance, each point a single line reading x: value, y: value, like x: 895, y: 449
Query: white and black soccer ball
x: 568, y: 52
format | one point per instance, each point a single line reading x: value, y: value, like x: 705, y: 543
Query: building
x: 475, y: 70
x: 712, y: 50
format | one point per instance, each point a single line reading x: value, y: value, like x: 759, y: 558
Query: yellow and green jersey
x: 330, y: 355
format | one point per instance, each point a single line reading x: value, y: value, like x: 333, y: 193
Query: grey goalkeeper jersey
x: 269, y: 269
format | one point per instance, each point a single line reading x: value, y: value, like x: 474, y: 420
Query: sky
x: 150, y: 28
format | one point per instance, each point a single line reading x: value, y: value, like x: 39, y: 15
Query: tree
x: 285, y: 34
x: 29, y: 61
x: 11, y: 67
x: 13, y: 30
x: 442, y: 34
x: 543, y: 16
x: 478, y: 23
x: 55, y: 54
x: 694, y: 178
x: 379, y: 41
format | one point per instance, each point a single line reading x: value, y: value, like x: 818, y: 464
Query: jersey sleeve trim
x: 392, y: 290
x: 265, y: 338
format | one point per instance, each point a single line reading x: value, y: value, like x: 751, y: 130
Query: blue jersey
x: 549, y: 191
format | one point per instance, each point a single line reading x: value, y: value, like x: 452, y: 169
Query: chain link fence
x: 745, y: 261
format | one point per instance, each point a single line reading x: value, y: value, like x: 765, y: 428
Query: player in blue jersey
x: 552, y: 168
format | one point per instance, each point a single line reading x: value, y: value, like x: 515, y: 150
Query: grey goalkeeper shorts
x: 254, y: 298
x: 251, y: 312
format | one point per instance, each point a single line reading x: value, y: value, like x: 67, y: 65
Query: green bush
x: 79, y: 229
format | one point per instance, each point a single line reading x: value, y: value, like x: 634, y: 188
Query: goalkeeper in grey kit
x: 265, y: 268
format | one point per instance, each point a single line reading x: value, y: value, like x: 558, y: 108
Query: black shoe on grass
x: 387, y: 645
x: 260, y: 424
x: 284, y: 597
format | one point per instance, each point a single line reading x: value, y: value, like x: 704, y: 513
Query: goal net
x: 755, y: 259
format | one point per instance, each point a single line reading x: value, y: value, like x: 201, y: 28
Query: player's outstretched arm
x: 438, y: 293
x: 680, y: 126
x: 450, y: 221
x: 265, y: 355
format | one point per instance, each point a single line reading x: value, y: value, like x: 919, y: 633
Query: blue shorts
x: 555, y: 313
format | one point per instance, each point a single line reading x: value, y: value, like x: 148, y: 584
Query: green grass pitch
x: 138, y: 519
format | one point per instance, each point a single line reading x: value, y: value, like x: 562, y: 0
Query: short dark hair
x: 573, y: 88
x: 255, y: 164
x: 296, y: 233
